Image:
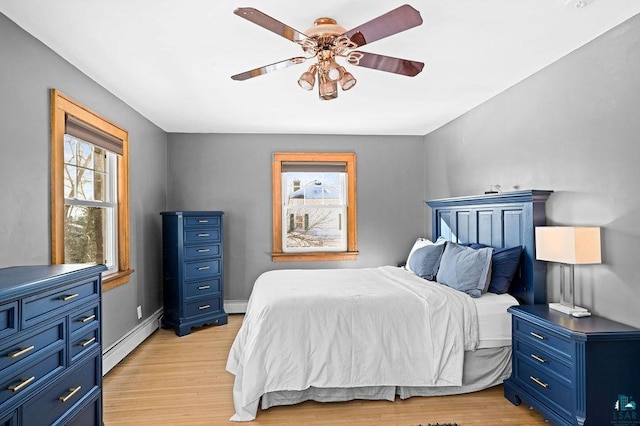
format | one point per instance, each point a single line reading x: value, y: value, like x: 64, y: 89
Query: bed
x: 377, y: 333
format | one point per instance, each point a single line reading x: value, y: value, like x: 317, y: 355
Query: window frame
x: 349, y: 158
x: 61, y: 105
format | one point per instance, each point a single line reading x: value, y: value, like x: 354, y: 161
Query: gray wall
x: 28, y: 69
x: 233, y: 173
x: 572, y: 128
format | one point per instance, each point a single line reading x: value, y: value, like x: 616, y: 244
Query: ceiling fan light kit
x: 326, y: 40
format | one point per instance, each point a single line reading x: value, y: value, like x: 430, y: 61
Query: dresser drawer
x: 539, y: 382
x: 60, y: 397
x: 195, y: 270
x: 202, y: 236
x: 83, y: 341
x: 31, y: 377
x: 46, y: 305
x: 84, y: 318
x: 199, y: 252
x: 31, y: 345
x: 8, y: 319
x: 203, y: 288
x: 201, y: 222
x: 542, y: 337
x: 203, y: 307
x: 545, y: 360
x: 89, y: 415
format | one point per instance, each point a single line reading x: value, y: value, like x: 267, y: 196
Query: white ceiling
x: 172, y: 60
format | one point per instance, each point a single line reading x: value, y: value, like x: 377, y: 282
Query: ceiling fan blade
x: 385, y: 63
x: 271, y: 24
x: 393, y: 22
x: 268, y: 68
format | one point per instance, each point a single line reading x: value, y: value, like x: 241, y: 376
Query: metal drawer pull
x: 204, y: 307
x: 537, y: 336
x: 203, y: 235
x: 22, y: 352
x: 22, y: 384
x: 72, y: 392
x: 69, y: 297
x: 89, y: 318
x: 203, y: 221
x: 88, y: 342
x: 204, y: 251
x: 203, y: 268
x: 204, y: 287
x: 537, y: 358
x: 538, y: 381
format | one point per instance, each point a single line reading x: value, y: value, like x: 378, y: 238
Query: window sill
x: 115, y: 280
x: 314, y: 257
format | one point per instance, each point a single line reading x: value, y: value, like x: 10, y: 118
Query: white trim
x: 115, y: 353
x: 235, y: 306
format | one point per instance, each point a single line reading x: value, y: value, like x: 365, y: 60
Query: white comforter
x: 348, y: 328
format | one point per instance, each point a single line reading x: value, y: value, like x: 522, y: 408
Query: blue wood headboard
x: 501, y: 220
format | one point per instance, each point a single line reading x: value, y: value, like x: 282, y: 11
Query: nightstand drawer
x: 203, y: 288
x: 542, y: 337
x: 8, y: 319
x: 195, y: 270
x: 45, y: 305
x: 541, y: 383
x: 203, y: 307
x: 545, y: 360
x: 199, y: 252
x: 32, y: 345
x: 62, y: 396
x: 202, y: 236
x: 201, y: 222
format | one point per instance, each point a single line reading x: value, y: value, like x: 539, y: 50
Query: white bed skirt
x: 483, y: 368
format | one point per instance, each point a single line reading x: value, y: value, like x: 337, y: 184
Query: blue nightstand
x: 575, y: 371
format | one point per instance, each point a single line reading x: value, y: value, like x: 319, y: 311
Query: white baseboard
x: 115, y: 353
x: 235, y: 306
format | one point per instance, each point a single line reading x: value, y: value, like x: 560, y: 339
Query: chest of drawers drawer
x: 544, y: 360
x: 201, y: 222
x: 8, y: 319
x: 84, y: 318
x: 48, y: 304
x: 200, y: 289
x: 200, y: 252
x: 31, y: 345
x: 200, y: 236
x: 202, y: 269
x: 203, y: 307
x: 62, y: 395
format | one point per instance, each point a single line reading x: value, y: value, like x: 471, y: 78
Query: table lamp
x: 568, y: 246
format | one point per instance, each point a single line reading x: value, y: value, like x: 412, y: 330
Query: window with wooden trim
x: 89, y: 190
x: 314, y: 206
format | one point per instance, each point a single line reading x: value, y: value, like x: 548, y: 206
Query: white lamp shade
x: 568, y: 244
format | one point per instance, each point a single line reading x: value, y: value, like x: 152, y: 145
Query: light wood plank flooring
x: 170, y: 380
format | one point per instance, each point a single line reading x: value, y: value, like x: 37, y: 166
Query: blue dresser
x: 193, y: 278
x: 50, y: 345
x: 575, y: 371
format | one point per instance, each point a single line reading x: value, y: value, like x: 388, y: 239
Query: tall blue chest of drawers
x: 193, y: 277
x: 575, y: 371
x: 50, y: 345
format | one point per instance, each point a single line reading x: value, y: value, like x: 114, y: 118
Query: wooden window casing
x: 61, y: 106
x: 349, y: 159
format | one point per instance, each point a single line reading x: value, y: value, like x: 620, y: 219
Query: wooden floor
x: 170, y: 380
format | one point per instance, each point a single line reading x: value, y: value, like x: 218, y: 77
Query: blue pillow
x: 504, y: 264
x: 424, y: 262
x: 465, y: 269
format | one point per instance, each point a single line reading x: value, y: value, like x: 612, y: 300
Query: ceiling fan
x: 327, y: 40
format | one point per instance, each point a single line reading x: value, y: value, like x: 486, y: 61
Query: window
x: 314, y: 206
x: 90, y: 190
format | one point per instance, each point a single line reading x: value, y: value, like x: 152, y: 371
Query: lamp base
x: 566, y: 309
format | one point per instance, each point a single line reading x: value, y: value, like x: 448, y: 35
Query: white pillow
x: 421, y: 242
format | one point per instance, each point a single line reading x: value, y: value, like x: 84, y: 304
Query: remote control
x: 580, y: 314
